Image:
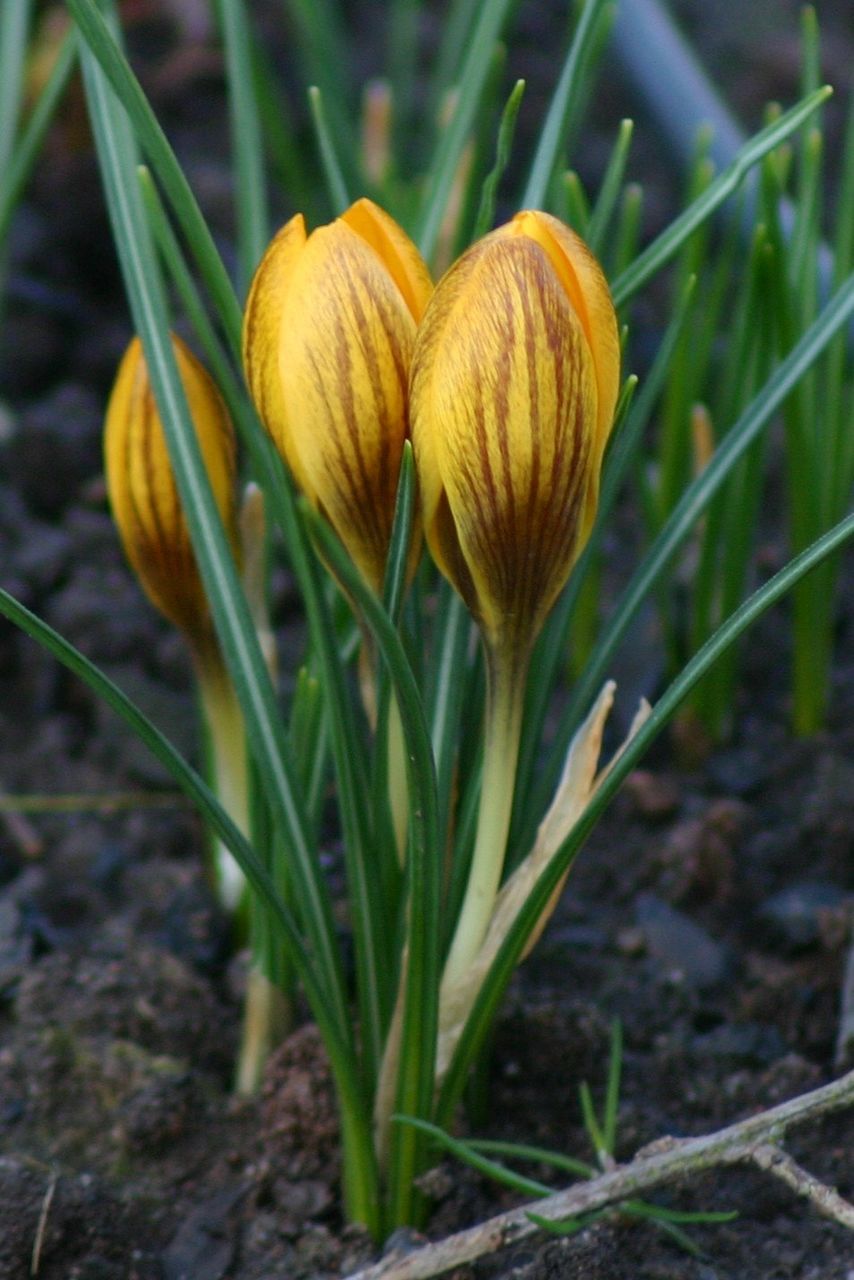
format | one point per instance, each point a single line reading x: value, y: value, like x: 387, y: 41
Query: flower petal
x: 262, y: 323
x: 503, y: 397
x: 395, y: 250
x: 344, y: 353
x: 143, y: 494
x: 590, y: 296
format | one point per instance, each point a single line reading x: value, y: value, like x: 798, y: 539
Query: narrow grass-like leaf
x: 309, y: 739
x: 447, y: 692
x: 394, y: 585
x: 234, y: 626
x: 574, y: 205
x: 28, y: 142
x: 670, y: 241
x: 486, y: 1004
x: 185, y: 286
x: 420, y: 1018
x: 609, y: 192
x: 103, y: 46
x: 591, y: 1121
x: 627, y: 235
x: 659, y: 1213
x: 190, y: 783
x: 486, y: 212
x: 566, y: 1226
x: 15, y: 19
x: 611, y: 1109
x: 459, y: 22
x: 452, y: 138
x: 470, y: 1154
x: 370, y: 924
x: 325, y: 52
x: 250, y: 184
x: 729, y: 530
x: 228, y: 605
x: 804, y: 242
x: 336, y: 185
x: 674, y: 460
x: 538, y: 1155
x: 290, y: 167
x: 394, y: 590
x: 266, y: 464
x: 694, y: 502
x: 562, y: 110
x: 401, y: 60
x: 839, y: 372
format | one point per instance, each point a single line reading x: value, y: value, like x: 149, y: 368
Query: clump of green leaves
x: 403, y: 915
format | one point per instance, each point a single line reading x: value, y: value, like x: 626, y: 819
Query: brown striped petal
x: 262, y: 322
x: 590, y: 296
x: 143, y: 495
x: 328, y: 337
x: 344, y: 354
x: 504, y: 404
x: 395, y: 250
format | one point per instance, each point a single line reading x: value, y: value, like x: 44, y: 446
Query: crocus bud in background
x: 147, y: 510
x: 327, y: 343
x: 144, y: 496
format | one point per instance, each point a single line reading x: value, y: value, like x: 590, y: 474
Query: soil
x: 711, y: 911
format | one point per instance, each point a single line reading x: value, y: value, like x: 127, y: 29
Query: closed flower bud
x: 143, y: 493
x: 514, y: 383
x: 327, y: 343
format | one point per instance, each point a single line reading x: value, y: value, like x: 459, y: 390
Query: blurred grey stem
x: 679, y: 95
x: 845, y: 1037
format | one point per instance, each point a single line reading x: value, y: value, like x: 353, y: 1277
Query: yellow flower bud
x: 327, y: 343
x: 143, y: 494
x: 514, y: 382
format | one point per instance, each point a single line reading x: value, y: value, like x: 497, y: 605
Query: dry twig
x: 826, y: 1199
x: 41, y: 1228
x: 749, y: 1141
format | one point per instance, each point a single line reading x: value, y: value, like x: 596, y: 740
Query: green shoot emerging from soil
x: 487, y: 1156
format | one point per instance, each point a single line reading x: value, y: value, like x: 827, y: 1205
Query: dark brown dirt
x: 710, y: 912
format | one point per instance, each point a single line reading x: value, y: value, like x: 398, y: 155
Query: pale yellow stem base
x: 267, y: 1018
x: 505, y: 702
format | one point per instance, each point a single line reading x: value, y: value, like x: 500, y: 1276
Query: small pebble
x: 680, y: 944
x: 793, y: 916
x: 747, y: 1044
x: 652, y: 794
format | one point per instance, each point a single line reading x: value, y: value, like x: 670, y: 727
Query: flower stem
x: 267, y: 1018
x: 504, y: 704
x: 229, y: 766
x: 267, y: 1013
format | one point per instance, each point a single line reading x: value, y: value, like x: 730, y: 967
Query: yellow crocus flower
x: 327, y: 342
x: 514, y: 383
x: 147, y: 510
x: 143, y: 494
